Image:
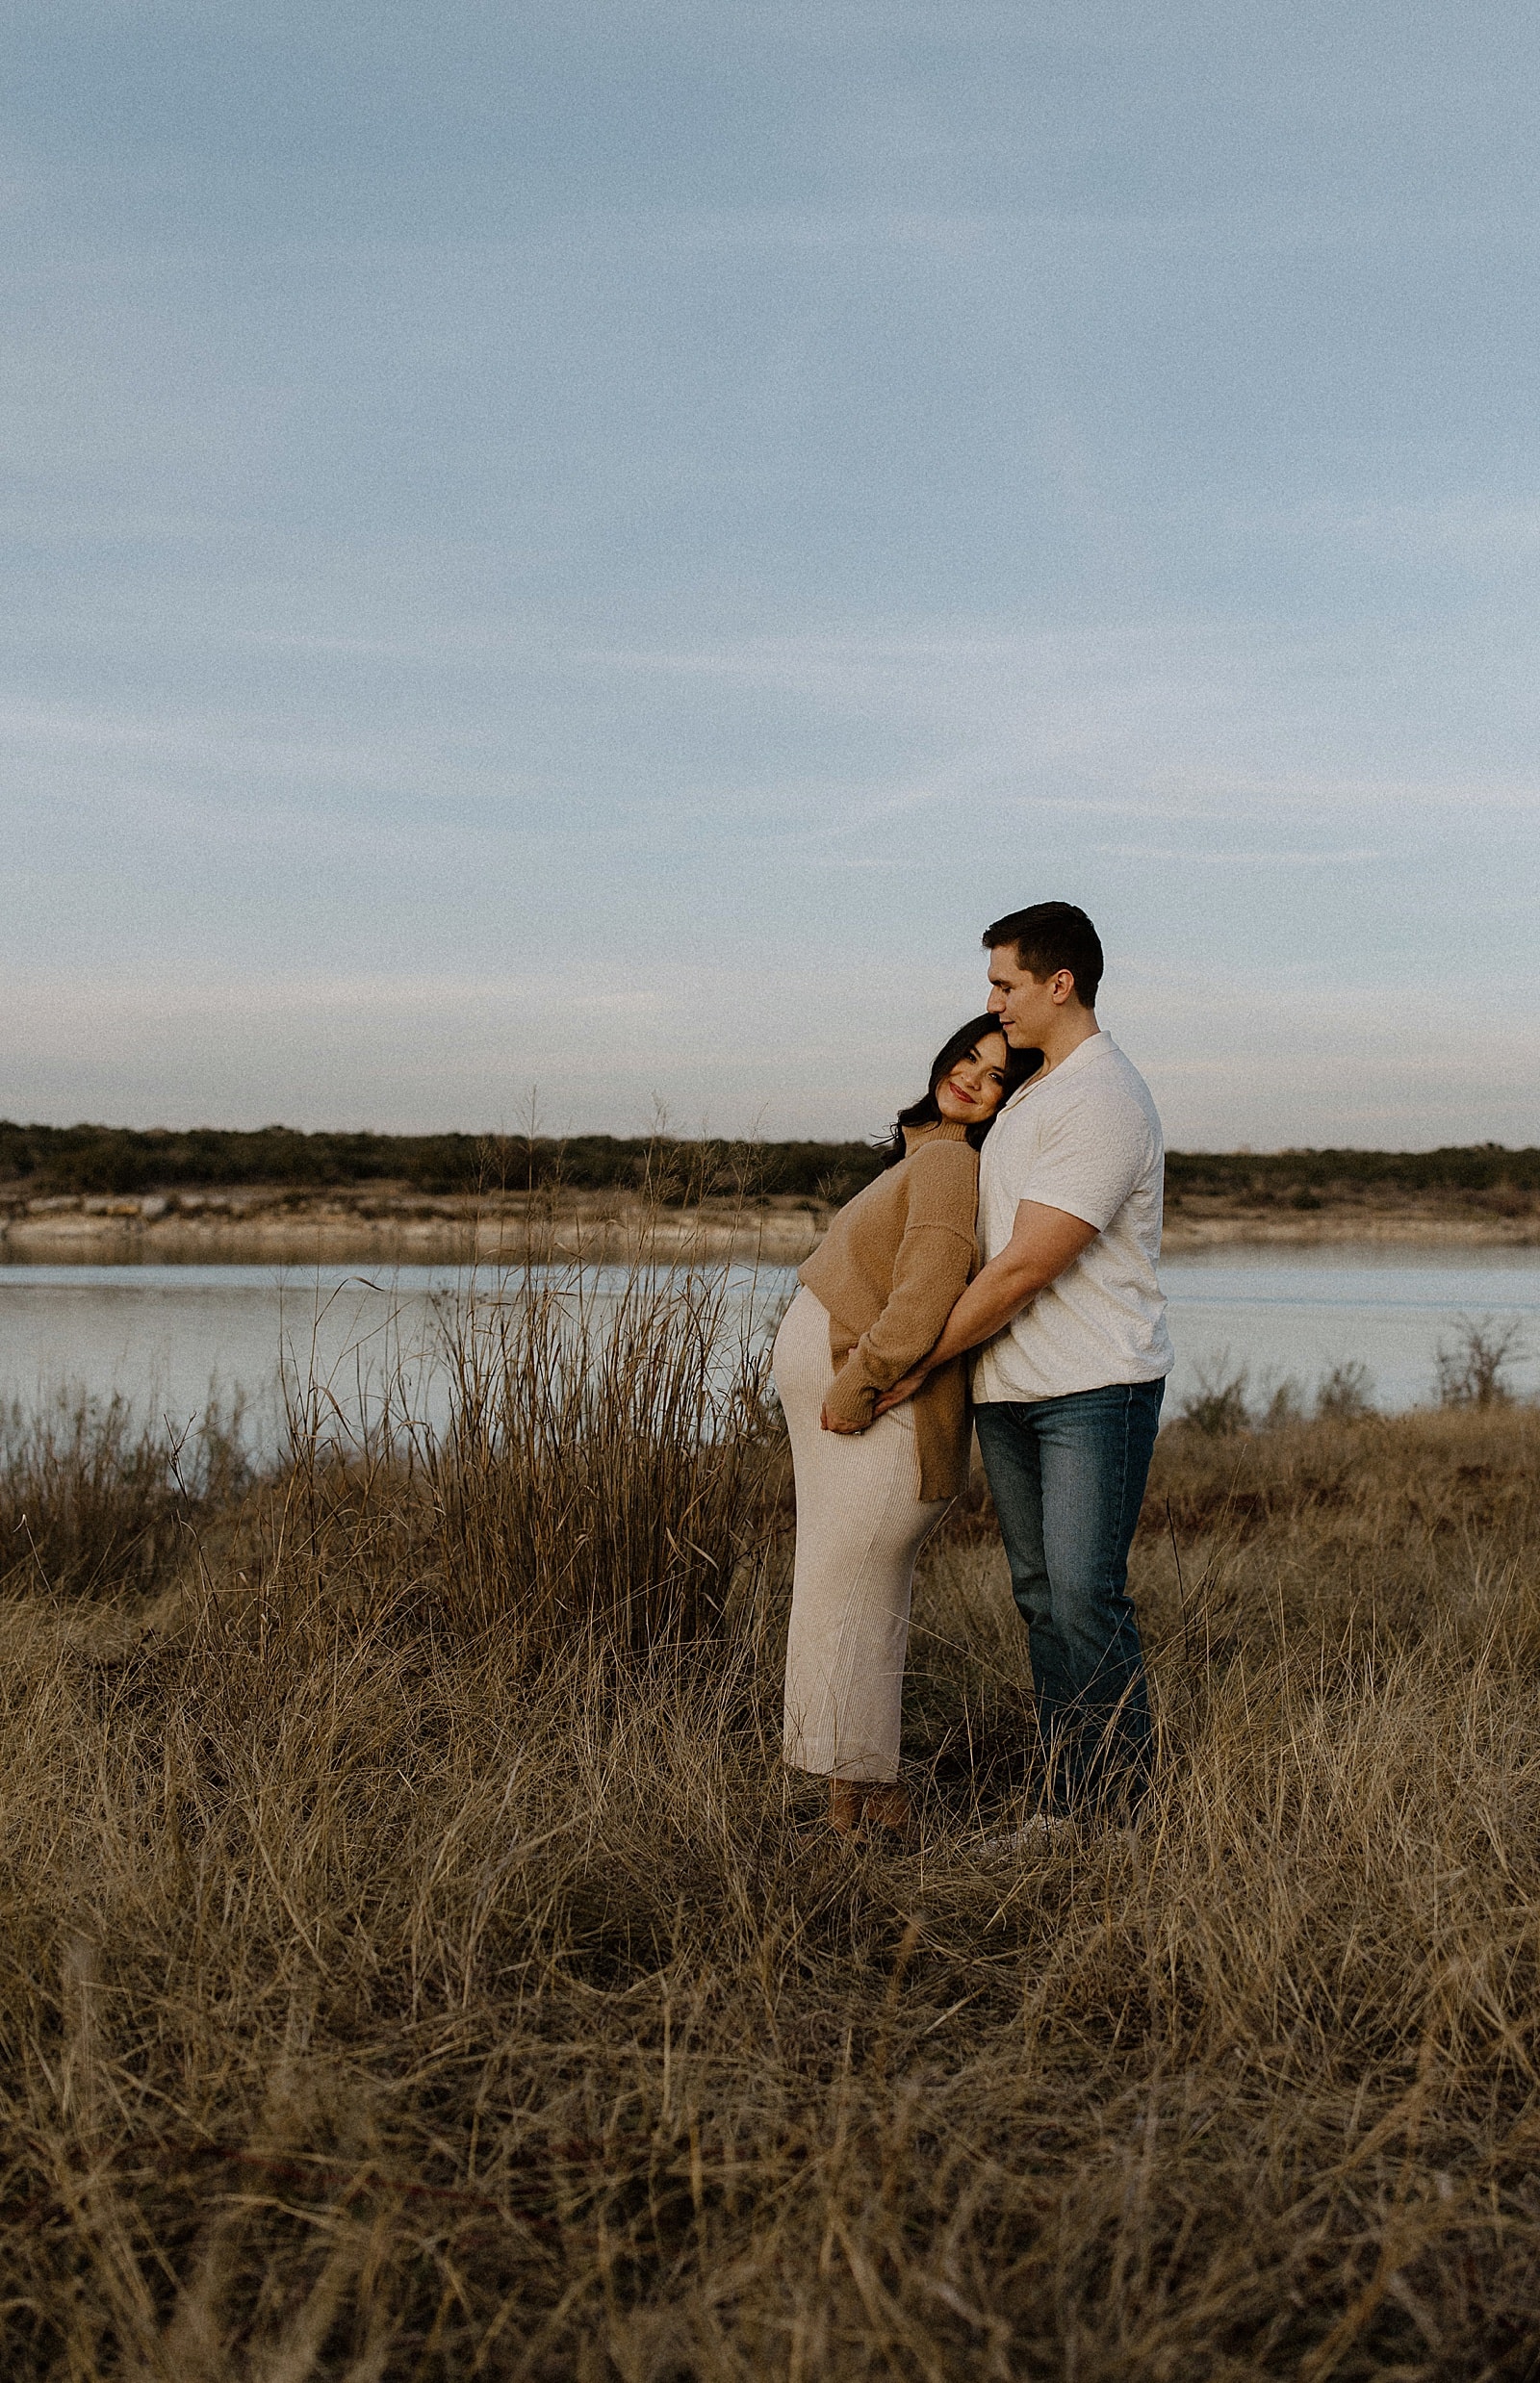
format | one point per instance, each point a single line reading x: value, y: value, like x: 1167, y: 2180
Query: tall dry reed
x: 588, y: 1449
x: 390, y: 1990
x: 604, y: 1454
x: 95, y: 1502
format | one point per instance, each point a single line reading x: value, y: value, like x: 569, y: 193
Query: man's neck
x: 1072, y: 1027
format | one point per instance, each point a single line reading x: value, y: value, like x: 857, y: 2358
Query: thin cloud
x: 1194, y: 856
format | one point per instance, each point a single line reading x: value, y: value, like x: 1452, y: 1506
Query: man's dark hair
x: 1049, y: 937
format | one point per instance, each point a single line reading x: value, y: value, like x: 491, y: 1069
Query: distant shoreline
x: 385, y: 1225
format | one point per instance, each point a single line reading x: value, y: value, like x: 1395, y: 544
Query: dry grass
x: 407, y: 1974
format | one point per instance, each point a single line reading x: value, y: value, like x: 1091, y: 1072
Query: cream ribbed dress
x: 860, y: 1520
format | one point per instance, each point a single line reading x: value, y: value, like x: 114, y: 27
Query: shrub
x: 1346, y: 1394
x: 1471, y: 1371
x: 1220, y: 1404
x: 1285, y: 1405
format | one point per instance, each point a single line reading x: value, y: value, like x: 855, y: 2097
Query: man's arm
x: 1044, y: 1241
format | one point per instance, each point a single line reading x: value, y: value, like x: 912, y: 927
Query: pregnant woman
x: 873, y: 1298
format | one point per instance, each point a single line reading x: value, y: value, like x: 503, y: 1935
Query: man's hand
x: 894, y: 1396
x: 1043, y: 1243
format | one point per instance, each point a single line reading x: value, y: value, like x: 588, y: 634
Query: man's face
x: 1025, y: 1005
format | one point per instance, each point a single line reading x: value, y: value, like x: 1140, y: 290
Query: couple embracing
x: 998, y: 1275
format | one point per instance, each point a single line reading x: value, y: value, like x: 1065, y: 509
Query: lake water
x: 164, y: 1335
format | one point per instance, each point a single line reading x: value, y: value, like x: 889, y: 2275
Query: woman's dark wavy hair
x: 1018, y: 1067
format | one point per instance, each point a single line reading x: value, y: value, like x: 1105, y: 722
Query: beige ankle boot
x: 856, y: 1805
x: 887, y: 1806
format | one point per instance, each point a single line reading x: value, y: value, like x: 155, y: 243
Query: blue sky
x: 585, y: 550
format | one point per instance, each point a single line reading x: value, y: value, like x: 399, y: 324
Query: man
x: 1068, y: 1319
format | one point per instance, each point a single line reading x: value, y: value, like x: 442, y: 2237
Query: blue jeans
x: 1067, y: 1476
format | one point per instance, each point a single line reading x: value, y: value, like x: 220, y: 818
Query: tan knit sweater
x: 889, y: 1270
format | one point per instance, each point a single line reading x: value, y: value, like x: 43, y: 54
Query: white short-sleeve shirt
x: 1085, y: 1138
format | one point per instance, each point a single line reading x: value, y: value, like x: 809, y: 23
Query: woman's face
x: 974, y: 1086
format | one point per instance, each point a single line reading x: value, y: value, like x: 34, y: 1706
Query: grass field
x: 415, y: 1962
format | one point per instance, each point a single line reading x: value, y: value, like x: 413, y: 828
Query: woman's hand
x: 837, y: 1423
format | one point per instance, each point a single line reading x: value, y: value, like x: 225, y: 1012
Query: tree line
x: 36, y: 1161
